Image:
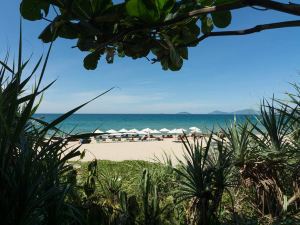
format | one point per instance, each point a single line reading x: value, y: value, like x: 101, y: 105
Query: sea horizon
x: 250, y: 114
x: 88, y: 122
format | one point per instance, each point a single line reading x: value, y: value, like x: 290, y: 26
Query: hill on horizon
x: 238, y: 112
x: 183, y: 113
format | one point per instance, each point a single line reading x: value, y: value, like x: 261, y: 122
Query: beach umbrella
x: 147, y: 130
x: 177, y: 131
x: 133, y: 131
x: 123, y: 130
x: 142, y: 132
x: 164, y: 130
x: 98, y: 131
x: 155, y: 132
x: 194, y: 128
x: 196, y: 131
x: 111, y: 131
x: 174, y: 131
x: 181, y: 130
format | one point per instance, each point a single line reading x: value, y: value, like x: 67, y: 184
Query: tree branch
x: 268, y: 4
x: 293, y: 9
x: 289, y: 8
x: 258, y: 28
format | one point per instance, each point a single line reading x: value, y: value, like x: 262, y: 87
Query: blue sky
x: 224, y: 73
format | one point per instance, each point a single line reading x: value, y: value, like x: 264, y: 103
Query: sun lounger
x: 73, y: 139
x: 144, y: 138
x: 85, y: 141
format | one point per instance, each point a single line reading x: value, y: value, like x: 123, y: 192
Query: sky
x: 222, y: 73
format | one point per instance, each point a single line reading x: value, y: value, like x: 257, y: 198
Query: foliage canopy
x: 159, y: 29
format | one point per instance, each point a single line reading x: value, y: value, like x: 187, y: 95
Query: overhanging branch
x: 256, y: 29
x: 293, y: 9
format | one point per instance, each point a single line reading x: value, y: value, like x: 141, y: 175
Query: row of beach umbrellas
x: 149, y: 131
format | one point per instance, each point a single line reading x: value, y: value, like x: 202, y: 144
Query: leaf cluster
x: 134, y: 28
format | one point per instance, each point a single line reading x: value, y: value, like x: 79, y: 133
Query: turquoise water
x: 90, y: 122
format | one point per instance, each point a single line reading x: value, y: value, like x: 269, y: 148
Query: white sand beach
x: 141, y: 150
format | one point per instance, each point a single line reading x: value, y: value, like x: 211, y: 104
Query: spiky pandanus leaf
x: 267, y: 156
x: 34, y: 188
x: 203, y: 178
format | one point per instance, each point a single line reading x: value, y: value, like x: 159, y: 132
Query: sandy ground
x: 119, y: 151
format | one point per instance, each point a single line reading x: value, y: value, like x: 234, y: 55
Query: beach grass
x: 127, y: 173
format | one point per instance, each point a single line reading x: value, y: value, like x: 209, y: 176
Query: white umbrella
x: 111, y: 131
x: 155, y: 132
x: 174, y: 131
x: 164, y: 130
x: 142, y: 132
x: 177, y: 131
x: 123, y: 130
x: 147, y: 130
x: 181, y: 130
x: 133, y: 131
x: 196, y: 131
x: 194, y: 128
x: 98, y: 132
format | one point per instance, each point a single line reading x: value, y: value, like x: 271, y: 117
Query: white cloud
x: 108, y: 103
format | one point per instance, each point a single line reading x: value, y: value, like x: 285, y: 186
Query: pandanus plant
x: 31, y: 166
x: 129, y: 209
x: 34, y: 167
x: 150, y: 200
x: 203, y: 178
x: 267, y: 158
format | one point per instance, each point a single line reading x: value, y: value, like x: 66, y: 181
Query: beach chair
x: 144, y: 138
x: 73, y: 139
x: 98, y: 139
x: 85, y: 141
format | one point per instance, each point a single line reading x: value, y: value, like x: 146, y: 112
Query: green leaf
x: 175, y: 59
x: 68, y: 30
x: 91, y: 61
x: 110, y: 53
x: 48, y: 35
x: 99, y: 6
x: 32, y: 9
x: 207, y: 25
x: 206, y: 2
x: 82, y: 9
x: 221, y: 19
x: 164, y: 63
x: 183, y: 52
x: 82, y: 154
x: 190, y: 33
x: 146, y: 12
x: 165, y: 6
x: 86, y: 44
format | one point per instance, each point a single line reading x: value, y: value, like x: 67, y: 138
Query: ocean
x: 89, y: 122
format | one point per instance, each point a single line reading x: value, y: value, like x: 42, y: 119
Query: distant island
x: 238, y: 112
x: 184, y: 113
